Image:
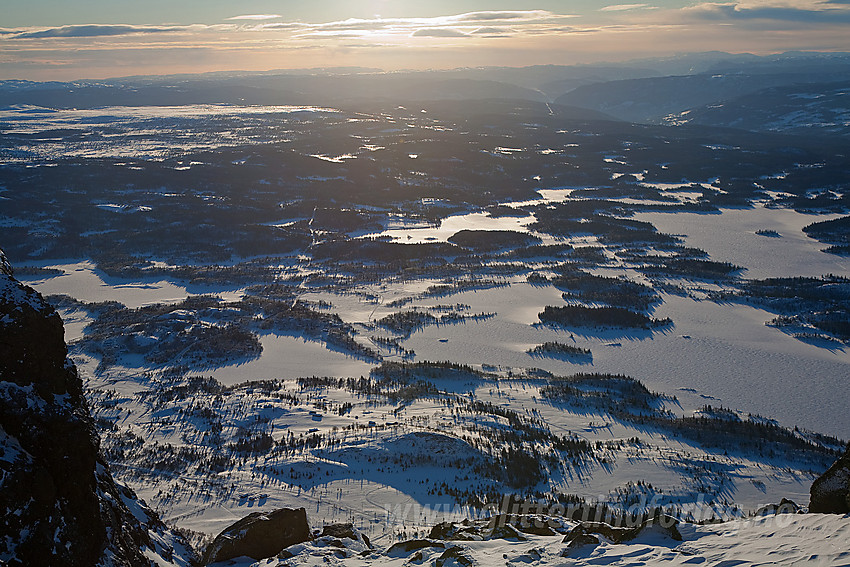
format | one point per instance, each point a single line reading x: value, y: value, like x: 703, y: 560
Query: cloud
x: 280, y: 26
x: 492, y: 22
x: 490, y: 16
x: 468, y: 18
x: 94, y: 30
x: 624, y: 7
x: 256, y: 17
x: 332, y: 33
x: 518, y: 37
x: 358, y: 24
x: 483, y: 31
x: 799, y: 12
x: 438, y: 32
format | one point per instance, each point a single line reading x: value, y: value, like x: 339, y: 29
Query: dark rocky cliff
x: 59, y: 503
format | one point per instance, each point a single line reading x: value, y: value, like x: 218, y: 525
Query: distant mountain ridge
x: 279, y: 90
x: 793, y: 109
x: 653, y: 100
x: 643, y: 91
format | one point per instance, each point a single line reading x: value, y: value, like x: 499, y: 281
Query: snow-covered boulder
x: 663, y: 525
x: 260, y: 535
x: 785, y: 506
x: 407, y: 547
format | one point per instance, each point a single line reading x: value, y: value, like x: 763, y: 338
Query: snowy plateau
x: 418, y: 316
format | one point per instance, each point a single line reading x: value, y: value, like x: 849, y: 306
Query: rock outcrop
x: 60, y: 505
x: 260, y: 535
x: 830, y: 493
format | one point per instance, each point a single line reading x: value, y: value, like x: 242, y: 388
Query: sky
x: 94, y: 39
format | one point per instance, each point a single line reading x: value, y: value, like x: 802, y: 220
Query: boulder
x: 579, y: 540
x: 830, y: 493
x: 502, y: 526
x: 260, y: 535
x: 664, y: 525
x: 611, y: 533
x: 346, y: 530
x: 453, y: 556
x: 453, y: 531
x: 526, y: 523
x: 507, y: 532
x: 537, y: 525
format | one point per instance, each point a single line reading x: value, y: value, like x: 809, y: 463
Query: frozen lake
x: 713, y: 354
x: 730, y: 236
x: 289, y: 357
x: 82, y: 281
x: 452, y: 224
x: 729, y: 356
x: 283, y: 356
x: 151, y: 132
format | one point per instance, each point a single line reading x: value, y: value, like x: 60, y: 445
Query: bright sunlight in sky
x: 89, y: 39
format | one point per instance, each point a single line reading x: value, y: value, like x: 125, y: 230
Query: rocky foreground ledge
x: 781, y: 536
x: 285, y: 534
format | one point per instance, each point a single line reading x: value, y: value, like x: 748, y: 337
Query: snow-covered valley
x: 701, y: 361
